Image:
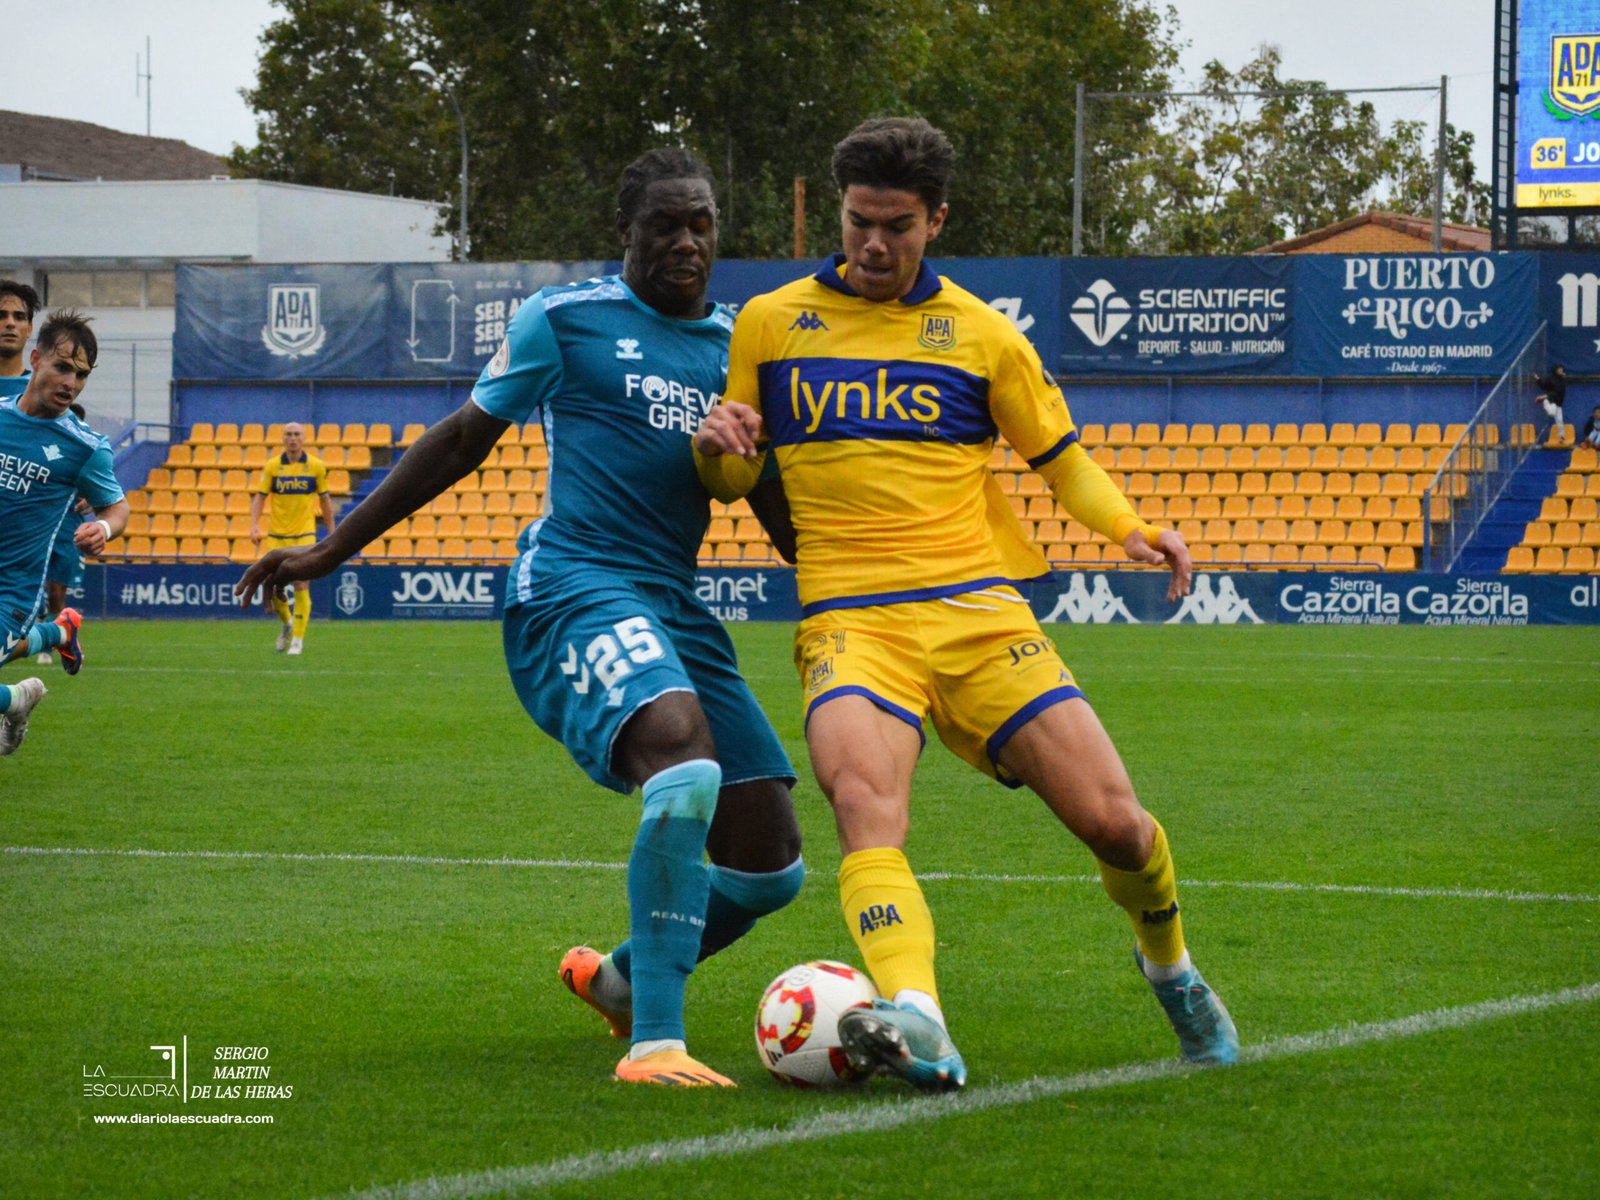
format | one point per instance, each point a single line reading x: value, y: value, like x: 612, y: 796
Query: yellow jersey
x: 292, y: 489
x: 883, y: 417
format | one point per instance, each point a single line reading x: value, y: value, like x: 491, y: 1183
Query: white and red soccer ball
x: 797, y: 1023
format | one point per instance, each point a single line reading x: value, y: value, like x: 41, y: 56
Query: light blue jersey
x: 613, y: 382
x: 43, y: 466
x: 12, y: 386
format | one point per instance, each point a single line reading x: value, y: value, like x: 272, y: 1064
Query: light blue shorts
x: 592, y: 647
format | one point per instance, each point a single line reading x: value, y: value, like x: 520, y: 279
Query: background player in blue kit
x: 18, y: 303
x: 47, y: 457
x: 608, y: 648
x: 64, y: 574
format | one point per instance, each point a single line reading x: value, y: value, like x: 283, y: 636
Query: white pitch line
x: 868, y: 1118
x: 584, y: 864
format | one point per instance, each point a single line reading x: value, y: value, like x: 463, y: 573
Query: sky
x: 202, y: 52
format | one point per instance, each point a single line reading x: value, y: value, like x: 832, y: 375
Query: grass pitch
x: 1370, y: 825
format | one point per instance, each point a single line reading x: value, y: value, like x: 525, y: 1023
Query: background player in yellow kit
x: 294, y: 484
x: 881, y: 387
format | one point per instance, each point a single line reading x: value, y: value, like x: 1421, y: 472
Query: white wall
x: 245, y: 220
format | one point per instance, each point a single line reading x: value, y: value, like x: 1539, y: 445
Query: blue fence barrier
x: 361, y: 592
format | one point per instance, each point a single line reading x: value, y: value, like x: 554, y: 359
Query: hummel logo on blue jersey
x: 879, y: 916
x: 809, y: 321
x: 628, y: 348
x: 52, y: 452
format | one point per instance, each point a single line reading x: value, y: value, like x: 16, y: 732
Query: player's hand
x: 90, y: 538
x: 255, y: 536
x: 1169, y: 549
x: 276, y: 569
x: 730, y: 428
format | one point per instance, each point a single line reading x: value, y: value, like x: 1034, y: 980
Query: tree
x: 559, y: 97
x: 1235, y: 173
x: 1411, y: 152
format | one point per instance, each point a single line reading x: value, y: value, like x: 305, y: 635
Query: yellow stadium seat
x: 1224, y: 483
x: 1585, y: 458
x: 479, y: 550
x: 1216, y: 531
x: 1302, y: 531
x: 1550, y: 560
x: 1269, y: 459
x: 326, y: 434
x: 339, y: 482
x: 411, y: 433
x: 1427, y: 435
x: 205, y: 456
x: 399, y: 547
x: 358, y: 458
x: 1401, y: 558
x: 1188, y: 529
x: 1140, y: 483
x: 1285, y: 434
x: 226, y: 432
x: 1582, y: 508
x: 1396, y: 483
x: 1230, y: 435
x: 1368, y: 434
x: 1119, y: 433
x: 1252, y: 483
x: 255, y: 457
x: 1565, y: 533
x: 1341, y: 434
x: 1158, y: 458
x: 1581, y: 560
x: 425, y: 548
x: 1361, y: 533
x: 1129, y: 458
x: 1389, y: 533
x: 1280, y: 483
x: 252, y: 433
x: 1245, y: 529
x: 1202, y: 436
x: 1212, y: 458
x: 1313, y: 433
x: 1169, y: 483
x: 1086, y: 552
x: 1332, y: 531
x: 1342, y: 555
x: 1313, y: 555
x: 1257, y: 435
x: 1320, y: 508
x: 1372, y: 556
x: 1292, y: 507
x: 1285, y: 555
x: 1257, y: 554
x: 1175, y: 435
x: 354, y: 434
x: 1519, y: 561
x: 1398, y: 434
x: 1093, y: 434
x: 1296, y: 458
x: 1382, y: 458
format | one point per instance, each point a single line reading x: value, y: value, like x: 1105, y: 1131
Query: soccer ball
x: 797, y: 1023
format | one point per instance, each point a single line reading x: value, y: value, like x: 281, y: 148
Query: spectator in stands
x: 1591, y: 429
x: 65, y: 572
x: 905, y: 572
x: 47, y: 457
x: 18, y: 303
x: 610, y: 650
x: 294, y: 483
x: 1554, y: 398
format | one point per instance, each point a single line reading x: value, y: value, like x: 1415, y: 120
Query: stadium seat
x: 202, y: 431
x: 1367, y: 483
x: 1256, y: 554
x: 1314, y: 555
x: 1175, y: 435
x: 326, y: 435
x: 255, y: 457
x: 252, y: 433
x: 226, y: 432
x: 1427, y: 435
x: 332, y: 456
x: 1201, y: 436
x: 1252, y: 483
x: 1119, y: 433
x: 1269, y: 459
x: 1224, y: 483
x: 1550, y: 560
x: 1565, y: 533
x: 1389, y: 533
x: 1230, y: 435
x: 1361, y: 533
x: 1368, y: 434
x: 1301, y: 532
x: 1372, y: 556
x: 1332, y: 531
x: 1285, y: 555
x: 1342, y: 555
x: 358, y: 458
x: 1341, y: 434
x: 1245, y: 529
x: 1292, y: 507
x: 1581, y: 560
x: 1582, y: 508
x: 339, y: 482
x: 1086, y: 552
x: 1536, y: 533
x: 411, y: 433
x: 1093, y: 434
x: 1519, y: 561
x: 1285, y: 434
x: 1158, y: 459
x: 1211, y: 458
x: 1584, y: 458
x: 1401, y: 558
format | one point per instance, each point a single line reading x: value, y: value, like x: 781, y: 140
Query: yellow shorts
x: 977, y: 663
x: 299, y: 539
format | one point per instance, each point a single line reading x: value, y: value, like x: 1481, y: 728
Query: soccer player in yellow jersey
x: 881, y: 387
x: 294, y: 484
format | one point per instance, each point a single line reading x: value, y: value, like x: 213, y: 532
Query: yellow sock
x: 281, y: 607
x: 1150, y: 898
x: 302, y: 610
x: 889, y: 919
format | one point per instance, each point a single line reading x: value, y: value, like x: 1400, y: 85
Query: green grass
x: 415, y: 1011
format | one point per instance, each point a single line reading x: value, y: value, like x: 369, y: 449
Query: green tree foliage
x: 559, y: 97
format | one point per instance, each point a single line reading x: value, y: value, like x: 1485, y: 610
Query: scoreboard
x: 1558, y: 104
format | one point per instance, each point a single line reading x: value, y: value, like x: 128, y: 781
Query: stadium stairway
x: 1503, y: 527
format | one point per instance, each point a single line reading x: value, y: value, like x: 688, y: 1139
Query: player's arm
x: 109, y: 522
x: 456, y: 445
x: 771, y: 507
x: 97, y: 482
x: 327, y: 511
x: 258, y: 500
x: 730, y: 451
x: 1088, y: 493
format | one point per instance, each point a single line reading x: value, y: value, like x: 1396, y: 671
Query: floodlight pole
x: 464, y: 242
x: 1438, y: 170
x: 1077, y: 175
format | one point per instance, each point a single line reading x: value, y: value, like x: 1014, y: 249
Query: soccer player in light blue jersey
x: 609, y: 649
x: 18, y: 303
x: 47, y: 457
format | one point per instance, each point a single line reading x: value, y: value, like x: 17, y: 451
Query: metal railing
x: 1506, y: 427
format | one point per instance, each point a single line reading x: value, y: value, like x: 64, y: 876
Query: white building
x: 79, y: 224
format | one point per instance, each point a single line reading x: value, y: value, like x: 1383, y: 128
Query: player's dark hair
x: 29, y: 297
x: 71, y: 326
x: 78, y: 411
x: 904, y: 153
x: 669, y: 162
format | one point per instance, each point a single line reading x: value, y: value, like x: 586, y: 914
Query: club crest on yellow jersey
x: 938, y: 333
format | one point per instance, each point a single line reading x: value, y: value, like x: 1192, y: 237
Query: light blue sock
x: 667, y: 887
x: 738, y: 899
x: 46, y: 635
x: 5, y: 697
